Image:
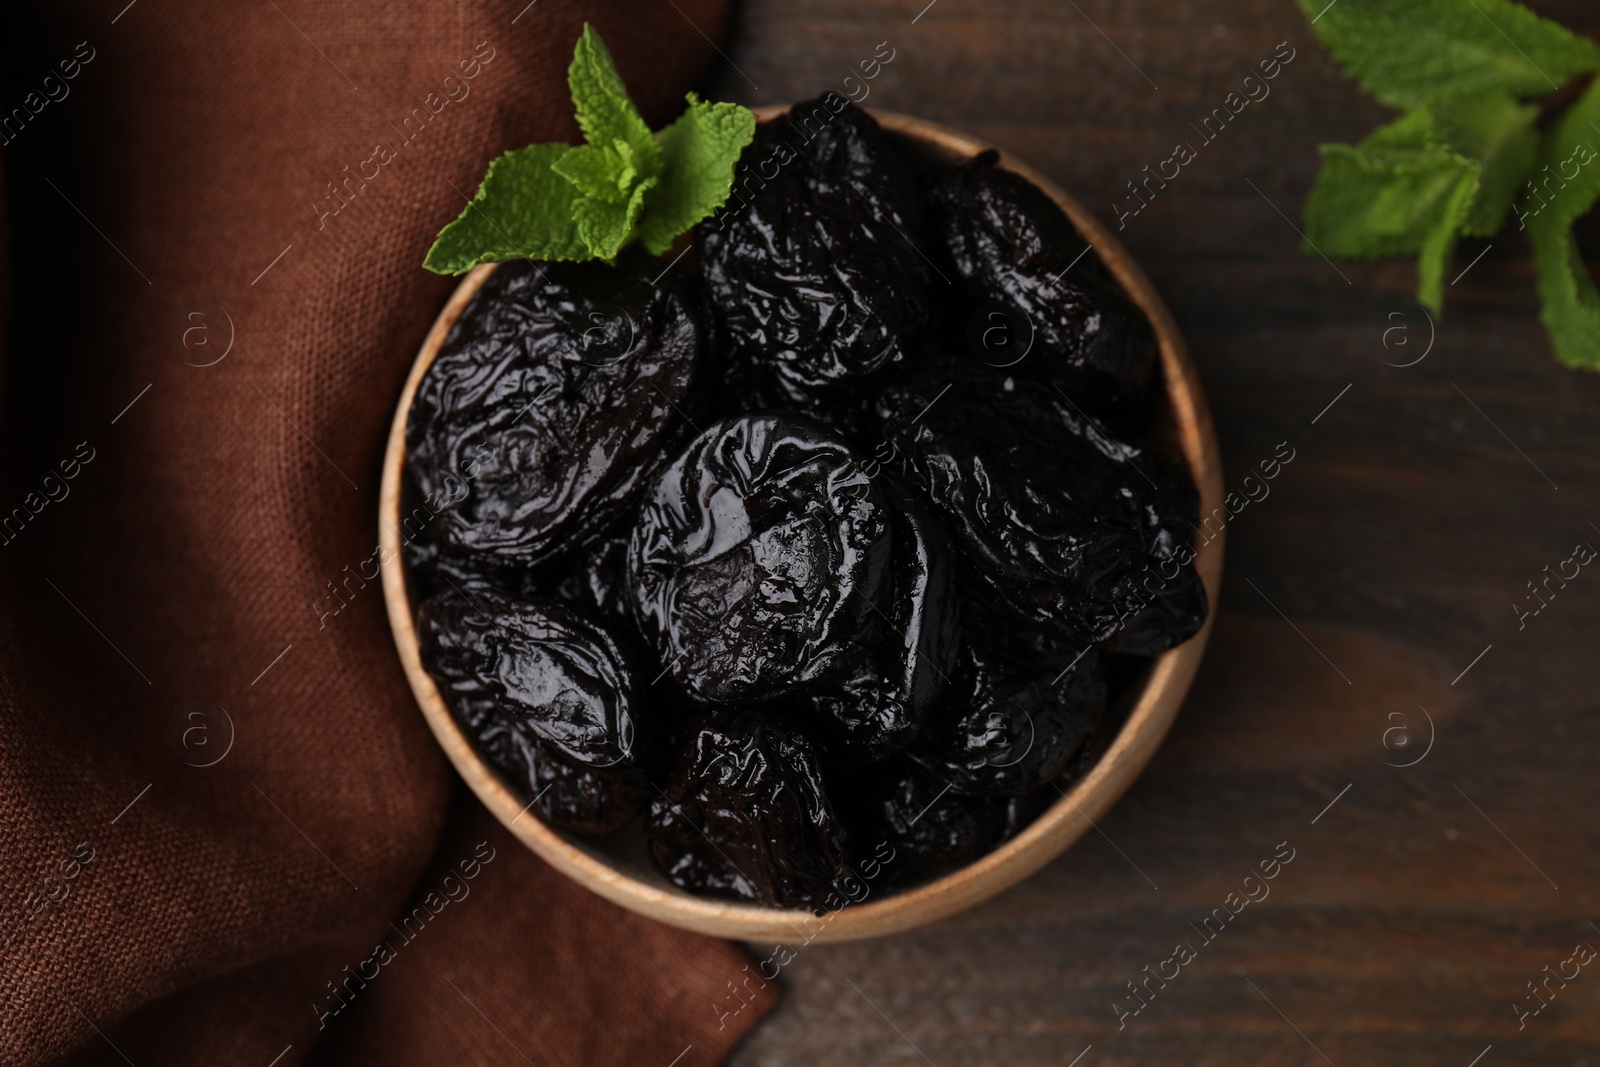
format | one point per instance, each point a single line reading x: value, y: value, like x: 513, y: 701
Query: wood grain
x: 1415, y: 909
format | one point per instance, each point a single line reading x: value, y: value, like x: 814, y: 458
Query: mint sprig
x: 1408, y: 52
x: 698, y: 151
x: 1469, y: 151
x: 1570, y: 306
x: 589, y: 201
x: 1402, y: 191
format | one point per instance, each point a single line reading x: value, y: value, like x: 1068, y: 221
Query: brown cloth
x: 217, y: 796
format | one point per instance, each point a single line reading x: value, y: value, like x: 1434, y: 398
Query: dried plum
x: 930, y: 829
x: 878, y: 709
x: 547, y: 696
x: 884, y: 594
x: 1012, y: 247
x: 812, y: 265
x: 746, y: 816
x: 465, y: 573
x: 1020, y: 707
x: 596, y: 581
x: 1074, y: 531
x: 420, y: 558
x: 759, y: 559
x: 547, y: 402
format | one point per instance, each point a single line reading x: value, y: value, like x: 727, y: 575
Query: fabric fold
x: 217, y: 789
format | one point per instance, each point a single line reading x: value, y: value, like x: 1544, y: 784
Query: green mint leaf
x: 523, y: 209
x: 606, y: 225
x: 578, y: 202
x: 601, y: 173
x: 605, y: 113
x: 1499, y: 133
x: 1570, y: 306
x: 1399, y: 192
x: 1566, y: 175
x: 1406, y: 52
x: 698, y: 153
x: 1440, y: 243
x: 1564, y: 186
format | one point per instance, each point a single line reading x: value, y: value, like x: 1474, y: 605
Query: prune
x: 1074, y: 531
x: 1020, y: 706
x: 1011, y: 245
x: 812, y: 265
x: 882, y: 621
x: 930, y: 829
x: 547, y: 402
x: 420, y: 558
x: 596, y: 581
x: 878, y: 709
x: 549, y: 697
x: 464, y: 574
x: 746, y: 816
x: 759, y: 559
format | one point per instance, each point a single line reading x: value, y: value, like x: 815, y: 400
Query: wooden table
x: 1372, y: 591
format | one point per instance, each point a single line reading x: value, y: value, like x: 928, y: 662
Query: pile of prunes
x: 834, y: 539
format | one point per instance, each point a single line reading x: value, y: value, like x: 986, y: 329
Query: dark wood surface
x: 1385, y: 561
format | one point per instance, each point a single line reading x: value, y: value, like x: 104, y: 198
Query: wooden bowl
x: 617, y: 867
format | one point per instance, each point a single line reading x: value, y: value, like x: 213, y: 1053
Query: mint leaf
x: 1470, y: 151
x: 523, y: 209
x: 1498, y: 132
x: 1570, y: 306
x: 1399, y: 192
x: 607, y: 225
x: 606, y: 115
x: 1406, y: 52
x: 1440, y: 244
x: 597, y: 172
x: 1564, y: 186
x: 1566, y: 178
x: 578, y: 202
x: 622, y: 160
x: 698, y: 153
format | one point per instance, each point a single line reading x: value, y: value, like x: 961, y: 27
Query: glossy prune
x: 811, y: 265
x: 463, y: 574
x: 547, y: 402
x: 759, y: 559
x: 883, y: 592
x: 549, y: 698
x: 746, y: 815
x: 877, y: 710
x: 1012, y: 247
x: 1020, y: 707
x: 1074, y: 531
x: 930, y: 829
x: 596, y: 581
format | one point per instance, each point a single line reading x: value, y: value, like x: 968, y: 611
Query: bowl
x: 617, y: 867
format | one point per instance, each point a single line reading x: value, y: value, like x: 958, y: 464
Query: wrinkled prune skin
x: 1076, y: 532
x: 745, y: 815
x: 596, y: 581
x: 1023, y: 808
x: 931, y: 829
x: 547, y: 403
x: 547, y: 696
x: 811, y: 264
x: 877, y: 710
x: 1020, y: 708
x: 759, y: 561
x: 420, y: 559
x: 1012, y: 245
x: 463, y: 575
x: 886, y: 593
